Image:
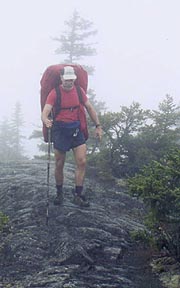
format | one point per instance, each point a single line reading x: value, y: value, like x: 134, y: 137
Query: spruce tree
x: 16, y: 125
x: 73, y: 42
x: 6, y: 141
x: 11, y: 148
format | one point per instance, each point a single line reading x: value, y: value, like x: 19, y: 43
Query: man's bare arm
x: 45, y: 115
x: 94, y: 117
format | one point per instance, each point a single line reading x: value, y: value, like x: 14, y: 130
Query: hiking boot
x: 59, y: 199
x: 80, y: 200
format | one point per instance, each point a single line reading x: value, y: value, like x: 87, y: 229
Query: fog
x: 137, y: 59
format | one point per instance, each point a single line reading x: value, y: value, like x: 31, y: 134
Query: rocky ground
x: 88, y: 248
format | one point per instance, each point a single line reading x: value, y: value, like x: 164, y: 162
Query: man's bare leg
x: 60, y: 160
x: 80, y: 159
x: 59, y: 175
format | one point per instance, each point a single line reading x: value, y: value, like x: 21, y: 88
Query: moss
x: 3, y: 221
x: 171, y: 281
x: 144, y: 237
x: 168, y: 268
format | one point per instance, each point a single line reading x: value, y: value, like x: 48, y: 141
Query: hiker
x: 66, y: 133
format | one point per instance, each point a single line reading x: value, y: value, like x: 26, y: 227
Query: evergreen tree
x: 162, y: 134
x: 10, y: 136
x: 73, y: 42
x: 158, y: 185
x: 134, y: 137
x: 6, y: 141
x: 167, y: 116
x: 119, y: 145
x: 17, y: 123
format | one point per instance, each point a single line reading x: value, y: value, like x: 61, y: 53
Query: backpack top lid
x: 51, y: 79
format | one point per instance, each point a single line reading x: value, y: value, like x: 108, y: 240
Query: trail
x: 88, y: 248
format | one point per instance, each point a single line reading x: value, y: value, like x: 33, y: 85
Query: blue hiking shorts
x: 67, y: 136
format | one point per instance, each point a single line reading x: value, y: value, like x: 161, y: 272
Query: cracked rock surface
x: 79, y: 248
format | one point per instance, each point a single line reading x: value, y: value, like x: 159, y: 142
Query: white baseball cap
x: 68, y: 73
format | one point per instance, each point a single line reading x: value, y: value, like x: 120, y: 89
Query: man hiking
x: 67, y: 134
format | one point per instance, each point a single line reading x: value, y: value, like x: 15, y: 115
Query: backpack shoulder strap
x: 79, y: 92
x: 58, y: 101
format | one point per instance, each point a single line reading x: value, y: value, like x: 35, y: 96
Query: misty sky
x: 138, y: 47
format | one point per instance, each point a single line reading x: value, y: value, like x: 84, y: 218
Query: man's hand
x: 98, y: 133
x: 45, y: 115
x: 48, y: 122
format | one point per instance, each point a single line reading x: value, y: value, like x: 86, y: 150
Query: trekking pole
x: 96, y: 144
x: 48, y: 172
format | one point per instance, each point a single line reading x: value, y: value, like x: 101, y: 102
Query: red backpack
x: 51, y: 79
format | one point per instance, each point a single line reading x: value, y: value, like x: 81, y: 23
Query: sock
x: 59, y: 188
x: 78, y: 190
